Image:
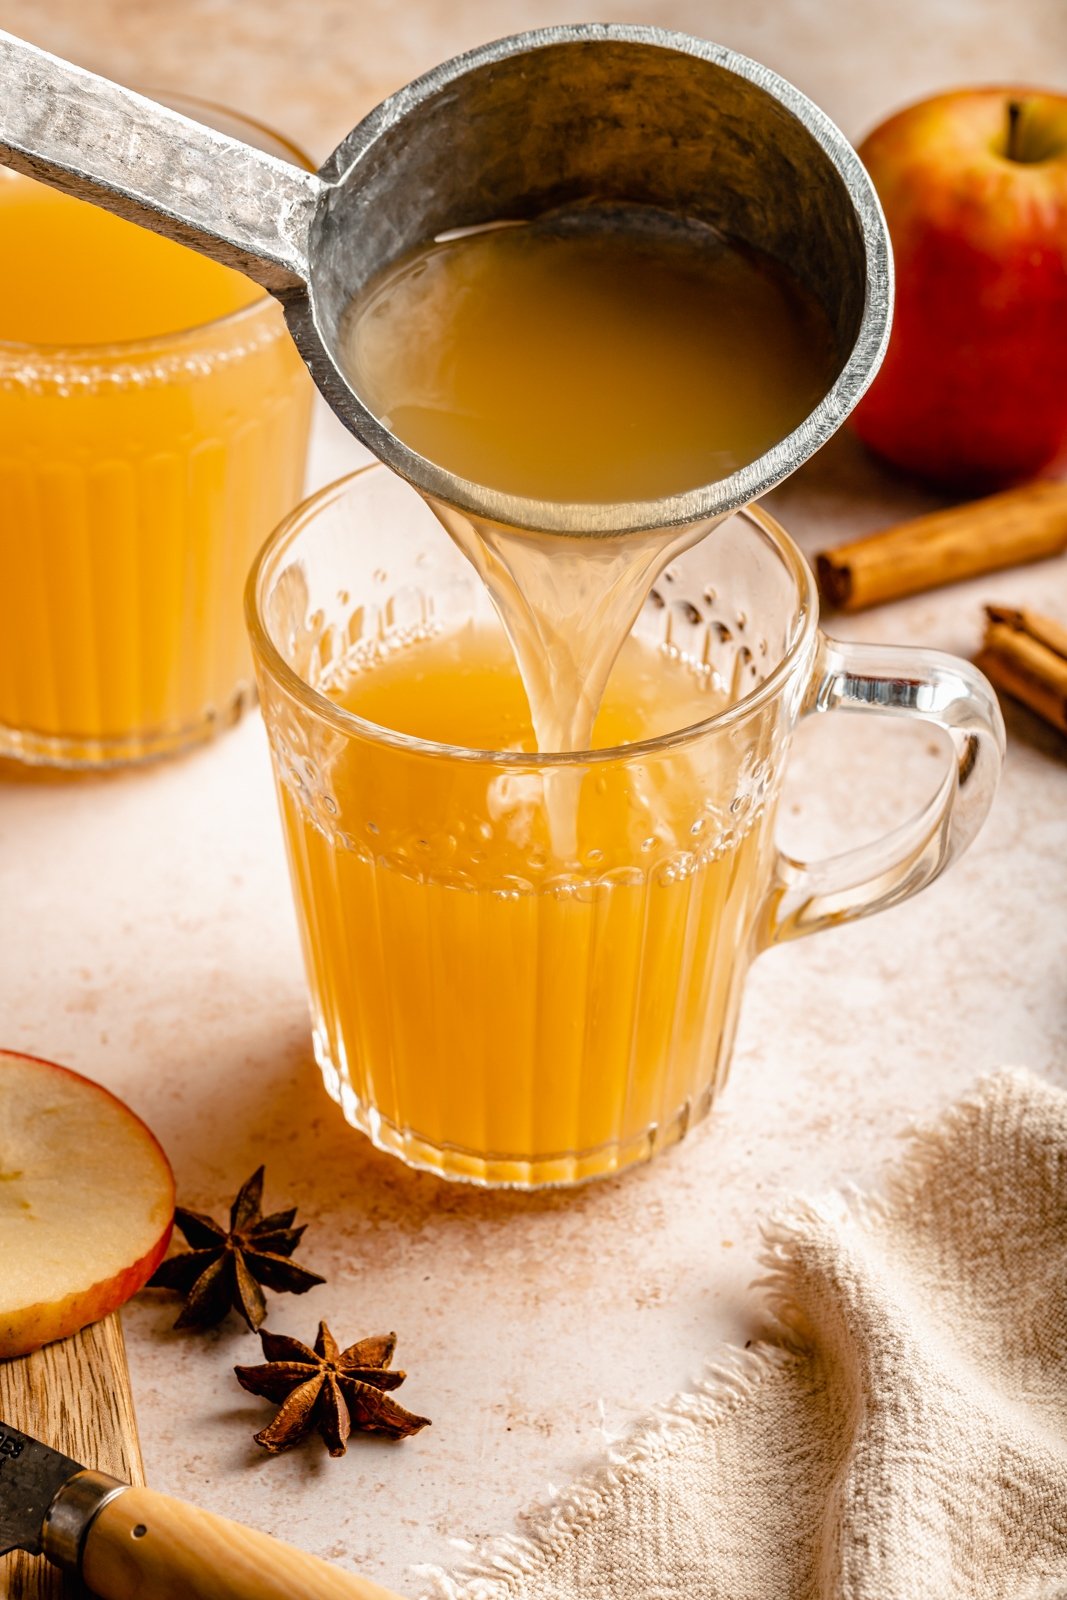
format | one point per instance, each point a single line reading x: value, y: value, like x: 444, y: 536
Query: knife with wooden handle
x: 130, y: 1543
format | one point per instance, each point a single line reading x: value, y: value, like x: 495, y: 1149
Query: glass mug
x: 480, y: 1009
x: 137, y: 481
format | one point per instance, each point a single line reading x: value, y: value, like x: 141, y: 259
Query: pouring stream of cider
x: 597, y: 355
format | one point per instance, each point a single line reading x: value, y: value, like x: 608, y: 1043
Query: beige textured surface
x: 146, y: 936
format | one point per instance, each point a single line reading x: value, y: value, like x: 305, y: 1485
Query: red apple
x: 973, y: 392
x: 86, y: 1203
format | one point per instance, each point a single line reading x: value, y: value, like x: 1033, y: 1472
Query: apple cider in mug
x: 488, y: 995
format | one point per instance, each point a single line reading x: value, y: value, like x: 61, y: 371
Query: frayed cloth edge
x: 497, y: 1568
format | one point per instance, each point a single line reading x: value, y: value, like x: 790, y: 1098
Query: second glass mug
x: 489, y: 1013
x: 137, y: 481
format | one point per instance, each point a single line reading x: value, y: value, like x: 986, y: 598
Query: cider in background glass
x: 153, y: 429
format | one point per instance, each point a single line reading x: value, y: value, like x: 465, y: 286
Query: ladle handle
x: 98, y: 141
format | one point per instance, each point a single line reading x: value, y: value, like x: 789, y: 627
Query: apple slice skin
x: 972, y: 395
x: 26, y: 1328
x: 30, y: 1327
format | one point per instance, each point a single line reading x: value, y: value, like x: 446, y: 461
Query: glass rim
x: 347, y: 722
x: 77, y: 352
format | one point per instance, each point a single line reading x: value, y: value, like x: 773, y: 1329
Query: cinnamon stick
x: 1025, y: 655
x: 1003, y: 530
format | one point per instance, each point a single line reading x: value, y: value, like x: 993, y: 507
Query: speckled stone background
x: 146, y: 935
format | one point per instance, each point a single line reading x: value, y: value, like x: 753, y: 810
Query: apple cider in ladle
x: 600, y: 355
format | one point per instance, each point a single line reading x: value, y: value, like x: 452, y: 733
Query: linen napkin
x: 901, y: 1431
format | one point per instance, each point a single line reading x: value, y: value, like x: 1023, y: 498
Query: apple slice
x: 86, y: 1203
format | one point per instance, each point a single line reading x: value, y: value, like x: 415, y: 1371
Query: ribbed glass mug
x: 490, y: 1013
x: 137, y: 481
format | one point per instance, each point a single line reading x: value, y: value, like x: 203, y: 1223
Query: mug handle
x: 895, y: 681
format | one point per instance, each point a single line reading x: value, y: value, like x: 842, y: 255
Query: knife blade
x: 31, y: 1475
x: 126, y: 1542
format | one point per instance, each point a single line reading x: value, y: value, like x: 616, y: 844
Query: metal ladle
x: 511, y: 130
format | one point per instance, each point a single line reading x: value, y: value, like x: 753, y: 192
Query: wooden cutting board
x: 75, y: 1396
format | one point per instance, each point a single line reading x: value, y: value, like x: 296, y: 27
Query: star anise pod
x: 329, y: 1389
x: 226, y: 1268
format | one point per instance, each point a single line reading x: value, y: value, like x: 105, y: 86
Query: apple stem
x: 1015, y: 117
